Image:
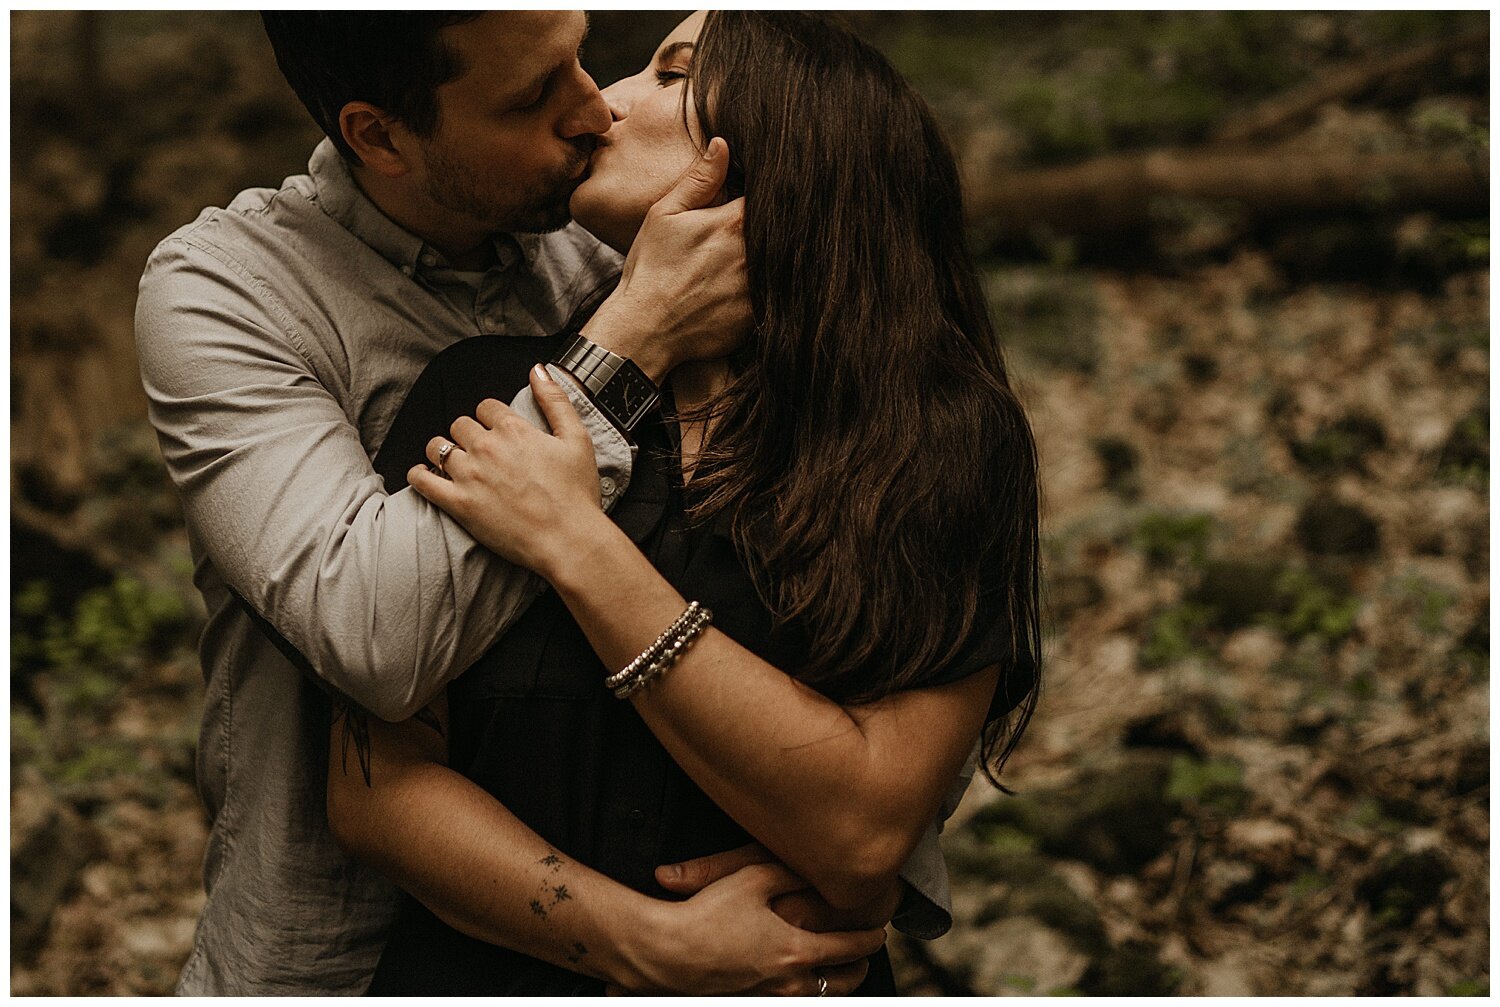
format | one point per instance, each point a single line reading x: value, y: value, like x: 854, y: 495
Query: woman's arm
x: 841, y: 795
x: 485, y: 873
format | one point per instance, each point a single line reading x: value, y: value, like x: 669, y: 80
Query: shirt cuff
x: 613, y: 454
x: 926, y: 909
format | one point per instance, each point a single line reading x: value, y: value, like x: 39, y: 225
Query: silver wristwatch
x: 616, y: 385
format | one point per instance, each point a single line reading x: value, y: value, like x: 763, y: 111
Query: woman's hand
x: 518, y: 490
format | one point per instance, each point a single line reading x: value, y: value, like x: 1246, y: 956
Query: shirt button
x: 637, y: 816
x: 429, y: 259
x: 606, y: 486
x: 406, y: 270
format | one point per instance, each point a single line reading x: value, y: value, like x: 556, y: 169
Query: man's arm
x: 485, y: 873
x: 383, y: 595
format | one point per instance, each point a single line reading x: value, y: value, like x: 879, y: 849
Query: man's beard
x: 542, y: 207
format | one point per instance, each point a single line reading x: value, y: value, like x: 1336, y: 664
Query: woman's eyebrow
x: 672, y: 50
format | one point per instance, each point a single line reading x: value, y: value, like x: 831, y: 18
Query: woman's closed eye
x: 664, y: 78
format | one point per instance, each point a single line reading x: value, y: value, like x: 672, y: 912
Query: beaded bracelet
x: 679, y: 636
x: 652, y: 652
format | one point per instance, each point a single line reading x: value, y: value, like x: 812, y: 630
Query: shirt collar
x: 343, y: 200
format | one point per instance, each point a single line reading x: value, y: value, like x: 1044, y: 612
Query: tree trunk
x: 1115, y: 194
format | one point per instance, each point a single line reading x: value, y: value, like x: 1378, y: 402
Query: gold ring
x: 442, y: 459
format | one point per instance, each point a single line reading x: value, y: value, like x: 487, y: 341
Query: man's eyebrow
x: 674, y: 49
x: 540, y: 80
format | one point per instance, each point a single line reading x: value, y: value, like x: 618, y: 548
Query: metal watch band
x: 616, y: 385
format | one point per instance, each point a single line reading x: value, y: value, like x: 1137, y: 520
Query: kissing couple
x: 618, y: 531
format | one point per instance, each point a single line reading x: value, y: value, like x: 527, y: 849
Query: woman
x: 853, y: 496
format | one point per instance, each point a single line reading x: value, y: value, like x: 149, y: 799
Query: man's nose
x: 590, y: 115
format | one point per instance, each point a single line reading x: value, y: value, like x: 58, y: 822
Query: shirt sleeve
x: 384, y: 595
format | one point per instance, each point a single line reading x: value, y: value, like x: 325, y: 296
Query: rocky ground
x: 1261, y: 761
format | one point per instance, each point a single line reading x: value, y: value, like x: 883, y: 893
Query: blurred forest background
x: 1241, y: 265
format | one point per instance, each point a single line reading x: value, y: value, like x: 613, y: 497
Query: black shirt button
x: 637, y: 816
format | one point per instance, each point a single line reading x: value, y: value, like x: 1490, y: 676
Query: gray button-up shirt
x: 277, y: 337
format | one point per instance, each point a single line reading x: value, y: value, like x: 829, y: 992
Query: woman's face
x: 648, y: 146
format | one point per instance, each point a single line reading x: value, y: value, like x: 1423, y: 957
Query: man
x: 277, y: 337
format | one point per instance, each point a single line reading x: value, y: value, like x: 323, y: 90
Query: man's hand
x: 727, y: 939
x: 683, y: 294
x: 804, y: 908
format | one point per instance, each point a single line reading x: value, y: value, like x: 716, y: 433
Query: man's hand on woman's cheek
x: 683, y: 294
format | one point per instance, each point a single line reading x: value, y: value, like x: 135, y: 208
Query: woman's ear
x: 376, y: 139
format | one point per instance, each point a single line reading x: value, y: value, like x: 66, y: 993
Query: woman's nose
x: 621, y: 95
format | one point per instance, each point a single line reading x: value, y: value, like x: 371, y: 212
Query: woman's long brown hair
x: 879, y: 470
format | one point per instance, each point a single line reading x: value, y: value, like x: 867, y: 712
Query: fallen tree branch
x: 1345, y: 84
x: 1116, y: 194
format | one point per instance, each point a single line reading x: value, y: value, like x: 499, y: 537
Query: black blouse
x: 532, y: 723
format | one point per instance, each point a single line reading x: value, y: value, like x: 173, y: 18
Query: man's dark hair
x: 393, y: 60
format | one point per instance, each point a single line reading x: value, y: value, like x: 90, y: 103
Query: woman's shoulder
x: 493, y: 357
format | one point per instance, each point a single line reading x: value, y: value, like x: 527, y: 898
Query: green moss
x: 1311, y: 607
x: 1008, y: 839
x: 1174, y: 538
x: 1465, y: 457
x: 1176, y: 633
x: 110, y: 629
x: 1307, y: 883
x: 97, y: 762
x: 1049, y: 315
x: 28, y: 741
x: 1370, y: 814
x: 1469, y: 988
x: 1216, y: 783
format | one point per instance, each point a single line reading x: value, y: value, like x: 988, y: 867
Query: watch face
x: 634, y: 392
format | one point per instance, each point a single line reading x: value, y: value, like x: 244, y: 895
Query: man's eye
x: 665, y: 77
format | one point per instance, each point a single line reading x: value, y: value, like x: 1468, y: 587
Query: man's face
x: 515, y: 129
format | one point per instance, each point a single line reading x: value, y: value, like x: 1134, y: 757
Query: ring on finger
x: 822, y: 984
x: 442, y: 458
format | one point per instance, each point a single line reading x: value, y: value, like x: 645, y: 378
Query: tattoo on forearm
x: 552, y: 893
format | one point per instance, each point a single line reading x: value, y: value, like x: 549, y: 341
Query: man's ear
x: 378, y: 141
